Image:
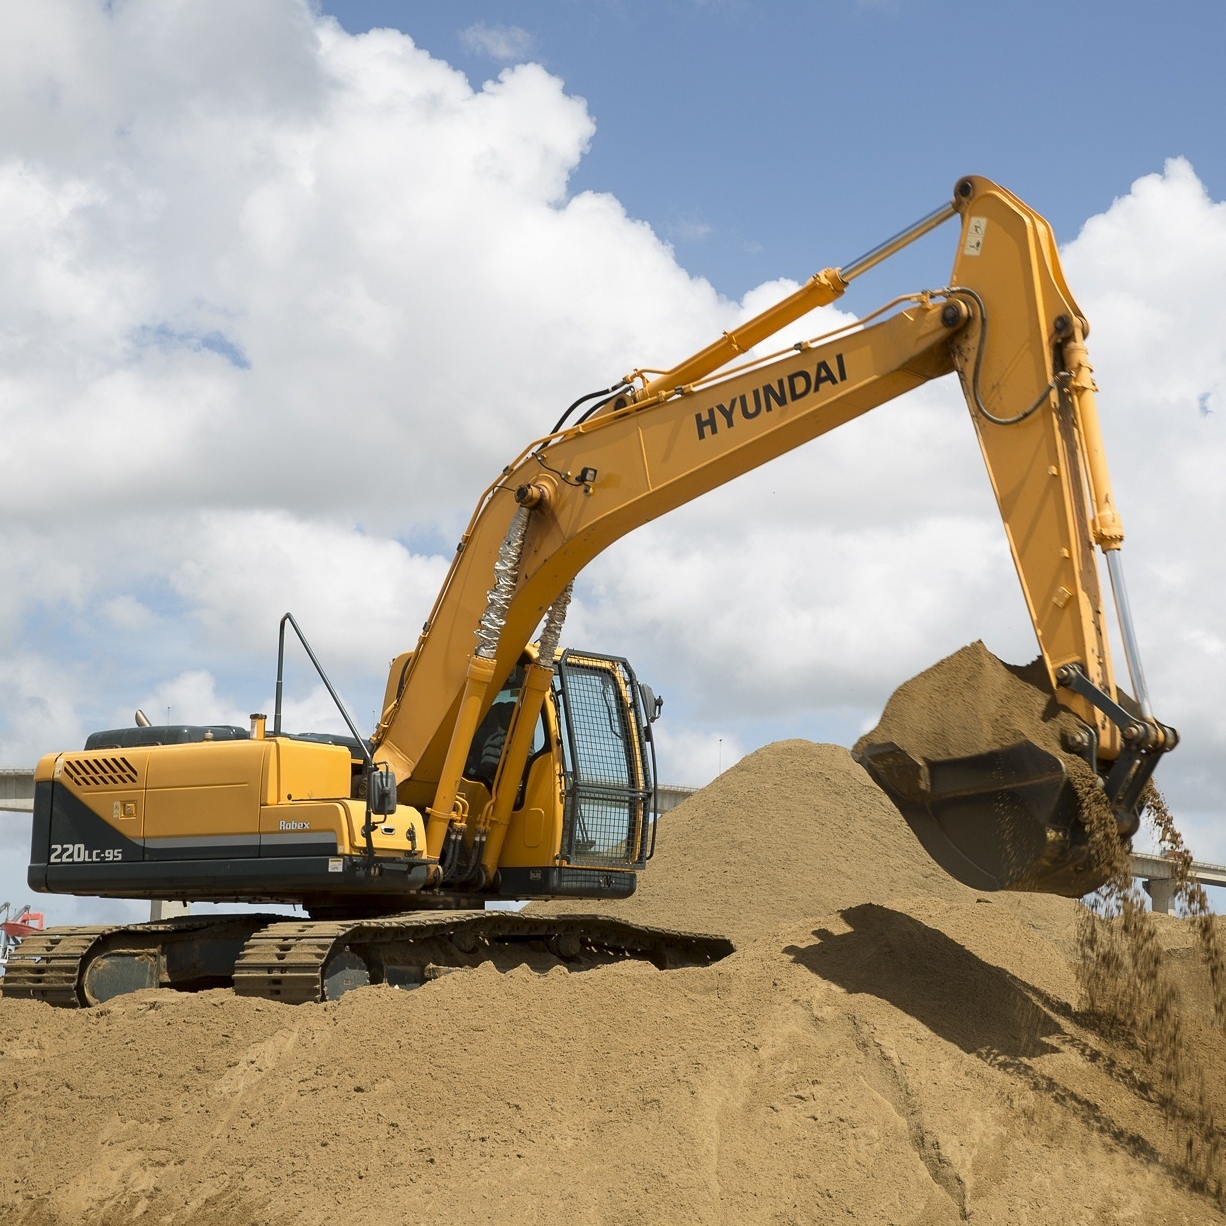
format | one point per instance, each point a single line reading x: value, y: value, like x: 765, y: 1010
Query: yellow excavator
x: 506, y: 768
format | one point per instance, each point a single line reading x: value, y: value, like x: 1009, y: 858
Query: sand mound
x: 886, y: 1047
x: 794, y: 830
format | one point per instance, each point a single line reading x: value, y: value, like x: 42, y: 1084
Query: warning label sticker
x: 974, y: 235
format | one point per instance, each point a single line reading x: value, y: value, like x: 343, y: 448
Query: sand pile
x: 792, y: 831
x: 886, y: 1046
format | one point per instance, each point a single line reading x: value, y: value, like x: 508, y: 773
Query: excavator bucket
x: 971, y: 753
x: 1007, y: 819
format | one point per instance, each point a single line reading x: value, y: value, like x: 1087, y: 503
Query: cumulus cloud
x: 276, y: 303
x: 250, y: 568
x: 690, y: 229
x: 189, y: 698
x: 695, y: 756
x: 1148, y: 273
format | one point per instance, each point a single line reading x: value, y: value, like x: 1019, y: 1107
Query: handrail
x: 371, y: 771
x: 340, y: 706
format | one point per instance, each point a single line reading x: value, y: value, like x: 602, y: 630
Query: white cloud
x: 357, y: 598
x: 189, y: 698
x: 690, y: 229
x: 263, y: 282
x: 125, y: 612
x: 695, y: 756
x: 37, y: 700
x: 506, y: 44
x: 1148, y: 274
x: 276, y: 302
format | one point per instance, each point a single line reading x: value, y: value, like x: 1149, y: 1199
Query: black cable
x: 565, y: 478
x: 1057, y: 380
x: 472, y: 870
x: 617, y: 391
x: 448, y: 857
x: 604, y: 391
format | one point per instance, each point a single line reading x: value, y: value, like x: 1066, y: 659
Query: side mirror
x: 652, y: 706
x: 381, y: 791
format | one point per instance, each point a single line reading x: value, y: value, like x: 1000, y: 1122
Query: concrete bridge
x: 1156, y: 874
x: 17, y: 790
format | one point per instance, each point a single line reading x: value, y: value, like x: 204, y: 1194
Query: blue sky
x: 282, y: 288
x: 769, y: 139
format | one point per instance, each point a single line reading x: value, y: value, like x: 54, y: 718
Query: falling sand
x: 1128, y: 989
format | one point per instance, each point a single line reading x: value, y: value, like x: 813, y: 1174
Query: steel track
x: 287, y: 961
x: 50, y: 965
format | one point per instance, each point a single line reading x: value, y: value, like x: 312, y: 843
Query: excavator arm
x: 1009, y: 327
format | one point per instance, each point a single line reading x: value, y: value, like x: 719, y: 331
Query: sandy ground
x: 885, y: 1046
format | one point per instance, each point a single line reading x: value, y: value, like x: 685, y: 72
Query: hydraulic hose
x: 1058, y: 379
x: 604, y: 391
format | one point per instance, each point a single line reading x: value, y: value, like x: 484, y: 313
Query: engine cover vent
x: 100, y: 772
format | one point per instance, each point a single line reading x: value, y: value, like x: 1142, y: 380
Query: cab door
x: 609, y: 787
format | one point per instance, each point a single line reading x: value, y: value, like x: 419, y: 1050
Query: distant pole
x: 720, y: 771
